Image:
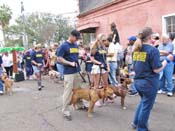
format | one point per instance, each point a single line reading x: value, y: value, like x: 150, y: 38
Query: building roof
x: 87, y: 5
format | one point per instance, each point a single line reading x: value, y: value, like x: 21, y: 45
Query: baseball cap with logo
x: 76, y: 34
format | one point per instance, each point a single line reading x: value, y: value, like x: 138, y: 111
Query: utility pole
x: 24, y: 35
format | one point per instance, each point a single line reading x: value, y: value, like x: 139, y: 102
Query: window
x: 169, y: 24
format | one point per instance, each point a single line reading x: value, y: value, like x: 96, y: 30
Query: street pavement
x: 32, y: 110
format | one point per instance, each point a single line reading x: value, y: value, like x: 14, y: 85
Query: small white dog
x: 54, y: 76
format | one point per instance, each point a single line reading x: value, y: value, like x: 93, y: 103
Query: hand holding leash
x: 73, y: 64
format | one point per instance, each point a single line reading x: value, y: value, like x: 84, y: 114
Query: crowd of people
x: 147, y: 58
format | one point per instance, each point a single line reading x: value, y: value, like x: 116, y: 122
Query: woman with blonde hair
x: 100, y: 66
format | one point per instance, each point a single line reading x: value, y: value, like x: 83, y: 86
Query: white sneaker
x: 170, y: 94
x: 98, y: 103
x: 161, y: 92
x: 1, y: 92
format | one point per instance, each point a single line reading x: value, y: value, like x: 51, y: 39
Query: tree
x: 40, y: 27
x: 5, y: 15
x: 63, y: 28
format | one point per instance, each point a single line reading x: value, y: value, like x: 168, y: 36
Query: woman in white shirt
x: 8, y: 63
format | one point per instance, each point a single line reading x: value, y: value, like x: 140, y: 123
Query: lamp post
x: 24, y: 35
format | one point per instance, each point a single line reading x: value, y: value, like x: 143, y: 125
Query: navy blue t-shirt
x: 69, y: 52
x: 1, y: 61
x: 27, y: 59
x: 38, y: 57
x: 89, y: 65
x: 100, y: 55
x: 146, y: 61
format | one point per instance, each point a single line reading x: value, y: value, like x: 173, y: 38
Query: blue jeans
x: 60, y: 69
x: 167, y: 76
x: 112, y: 74
x: 132, y: 87
x: 147, y: 92
x: 1, y: 84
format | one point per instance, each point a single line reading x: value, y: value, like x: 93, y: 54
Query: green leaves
x: 5, y: 15
x: 40, y: 27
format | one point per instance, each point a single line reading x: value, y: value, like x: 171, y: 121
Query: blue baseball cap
x: 132, y: 38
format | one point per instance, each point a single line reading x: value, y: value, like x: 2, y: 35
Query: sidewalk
x: 31, y: 110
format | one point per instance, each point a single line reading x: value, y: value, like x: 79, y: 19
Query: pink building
x: 129, y: 15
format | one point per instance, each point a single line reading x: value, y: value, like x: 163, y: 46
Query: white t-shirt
x: 112, y: 49
x: 7, y: 60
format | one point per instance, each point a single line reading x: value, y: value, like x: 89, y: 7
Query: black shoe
x: 68, y: 118
x: 42, y: 86
x: 83, y: 108
x: 39, y: 88
x: 133, y: 94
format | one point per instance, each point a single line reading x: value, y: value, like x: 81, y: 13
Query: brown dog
x: 121, y: 90
x: 8, y: 84
x: 90, y: 95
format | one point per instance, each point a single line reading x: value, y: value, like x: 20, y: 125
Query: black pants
x: 9, y: 70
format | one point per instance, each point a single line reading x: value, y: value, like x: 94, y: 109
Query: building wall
x: 130, y: 16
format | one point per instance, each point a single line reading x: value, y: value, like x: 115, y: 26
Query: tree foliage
x: 39, y: 27
x: 5, y: 15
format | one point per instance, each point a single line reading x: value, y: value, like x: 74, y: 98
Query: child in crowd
x: 88, y: 65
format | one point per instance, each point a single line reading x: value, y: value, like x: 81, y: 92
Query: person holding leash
x: 100, y: 66
x: 67, y: 55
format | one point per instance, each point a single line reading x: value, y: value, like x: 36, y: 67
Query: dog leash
x: 100, y: 75
x: 77, y: 64
x: 88, y: 78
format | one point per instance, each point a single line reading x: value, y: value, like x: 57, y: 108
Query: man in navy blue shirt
x: 37, y: 64
x: 68, y: 56
x: 28, y: 64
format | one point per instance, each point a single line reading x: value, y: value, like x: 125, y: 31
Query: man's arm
x: 164, y: 53
x: 65, y: 62
x: 110, y: 54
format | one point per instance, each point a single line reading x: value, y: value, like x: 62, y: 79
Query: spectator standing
x: 53, y: 57
x: 8, y: 64
x: 155, y: 40
x: 88, y: 65
x: 129, y: 62
x: 165, y: 49
x: 112, y: 60
x: 60, y: 67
